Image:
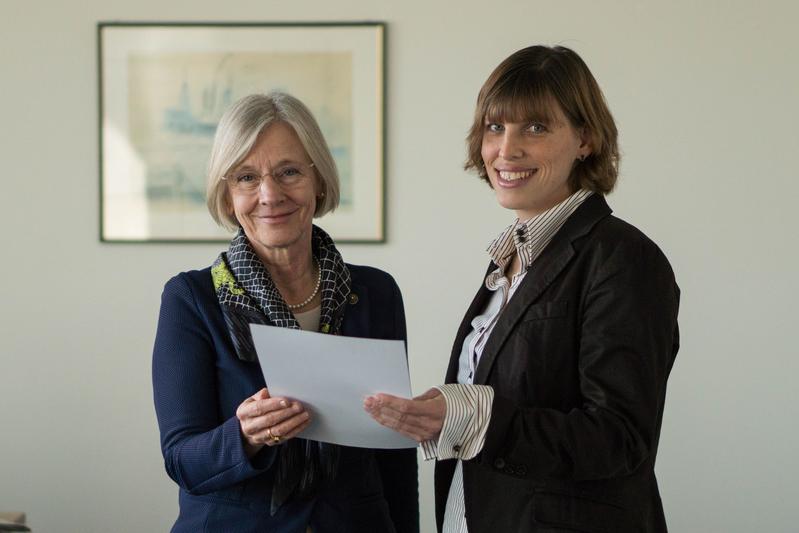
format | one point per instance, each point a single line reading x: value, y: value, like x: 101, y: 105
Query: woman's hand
x: 269, y: 421
x: 420, y: 418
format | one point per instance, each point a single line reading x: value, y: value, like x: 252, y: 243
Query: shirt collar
x: 529, y: 238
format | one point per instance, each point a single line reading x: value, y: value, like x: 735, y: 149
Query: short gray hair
x: 237, y: 133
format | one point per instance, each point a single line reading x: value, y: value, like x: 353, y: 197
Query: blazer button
x: 353, y: 298
x: 499, y: 463
x: 456, y: 448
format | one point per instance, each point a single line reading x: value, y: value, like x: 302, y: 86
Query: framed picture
x: 164, y: 87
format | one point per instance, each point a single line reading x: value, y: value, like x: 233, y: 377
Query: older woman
x: 235, y: 451
x: 551, y: 415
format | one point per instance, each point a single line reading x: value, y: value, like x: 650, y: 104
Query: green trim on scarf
x: 222, y: 276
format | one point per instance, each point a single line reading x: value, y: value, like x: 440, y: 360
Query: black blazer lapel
x: 543, y: 271
x: 477, y: 305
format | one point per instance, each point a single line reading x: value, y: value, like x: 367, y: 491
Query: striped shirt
x: 468, y: 405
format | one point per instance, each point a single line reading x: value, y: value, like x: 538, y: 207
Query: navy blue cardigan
x: 198, y: 382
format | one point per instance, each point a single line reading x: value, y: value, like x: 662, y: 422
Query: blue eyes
x: 287, y: 172
x: 535, y: 128
x: 281, y: 175
x: 288, y: 176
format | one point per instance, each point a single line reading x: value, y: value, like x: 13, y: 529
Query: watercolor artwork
x: 170, y: 87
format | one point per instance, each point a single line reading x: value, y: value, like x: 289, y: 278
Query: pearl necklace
x: 313, y: 294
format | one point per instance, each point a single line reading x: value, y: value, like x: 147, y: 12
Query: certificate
x: 331, y: 375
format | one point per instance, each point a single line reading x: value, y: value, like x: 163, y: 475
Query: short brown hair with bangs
x: 524, y: 87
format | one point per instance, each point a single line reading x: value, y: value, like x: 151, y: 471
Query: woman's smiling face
x: 276, y: 214
x: 529, y: 163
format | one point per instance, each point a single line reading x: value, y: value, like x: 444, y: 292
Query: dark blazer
x: 578, y: 361
x: 198, y: 382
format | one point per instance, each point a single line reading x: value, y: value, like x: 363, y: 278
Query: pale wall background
x: 705, y: 99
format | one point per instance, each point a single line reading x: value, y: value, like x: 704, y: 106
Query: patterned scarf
x: 247, y: 294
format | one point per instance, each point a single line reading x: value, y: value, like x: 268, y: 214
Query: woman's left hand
x: 420, y: 418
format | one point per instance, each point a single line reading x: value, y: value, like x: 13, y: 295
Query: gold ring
x: 275, y: 438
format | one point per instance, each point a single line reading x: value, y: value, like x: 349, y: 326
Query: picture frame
x: 164, y: 86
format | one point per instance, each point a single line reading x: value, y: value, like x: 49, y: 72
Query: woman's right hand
x: 267, y: 421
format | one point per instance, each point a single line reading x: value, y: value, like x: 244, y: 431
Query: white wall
x: 705, y: 99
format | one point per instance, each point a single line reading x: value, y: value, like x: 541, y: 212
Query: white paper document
x: 331, y: 375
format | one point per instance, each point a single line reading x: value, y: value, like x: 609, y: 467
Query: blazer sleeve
x: 628, y: 341
x: 202, y: 452
x: 398, y: 468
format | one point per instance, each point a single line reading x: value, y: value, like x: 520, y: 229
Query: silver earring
x: 581, y: 158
